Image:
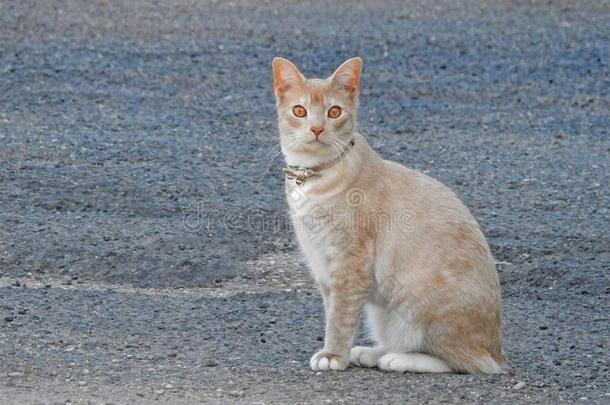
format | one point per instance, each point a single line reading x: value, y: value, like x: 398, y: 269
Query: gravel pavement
x: 145, y: 251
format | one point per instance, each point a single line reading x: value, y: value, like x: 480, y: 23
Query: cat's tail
x: 479, y: 361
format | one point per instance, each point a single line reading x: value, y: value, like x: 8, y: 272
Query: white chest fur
x: 321, y: 226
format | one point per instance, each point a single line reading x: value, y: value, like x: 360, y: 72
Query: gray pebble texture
x: 145, y: 249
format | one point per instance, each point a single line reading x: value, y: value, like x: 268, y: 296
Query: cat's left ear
x: 347, y: 76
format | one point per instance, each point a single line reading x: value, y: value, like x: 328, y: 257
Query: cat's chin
x: 309, y: 154
x: 312, y: 147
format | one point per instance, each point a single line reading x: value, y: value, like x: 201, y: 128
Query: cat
x: 382, y: 238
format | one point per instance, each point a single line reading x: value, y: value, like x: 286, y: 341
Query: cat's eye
x: 334, y: 112
x: 299, y: 111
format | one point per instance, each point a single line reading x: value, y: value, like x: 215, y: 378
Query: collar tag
x: 299, y: 174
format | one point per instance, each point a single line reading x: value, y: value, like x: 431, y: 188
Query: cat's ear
x: 347, y: 76
x: 285, y: 76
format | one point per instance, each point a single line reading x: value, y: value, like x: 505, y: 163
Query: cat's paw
x: 385, y: 362
x: 324, y: 361
x: 413, y: 362
x: 365, y: 356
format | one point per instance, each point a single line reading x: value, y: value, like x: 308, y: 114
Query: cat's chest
x: 322, y: 225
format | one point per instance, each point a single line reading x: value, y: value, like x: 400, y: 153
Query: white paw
x: 324, y: 361
x: 393, y: 362
x: 413, y: 362
x: 365, y: 356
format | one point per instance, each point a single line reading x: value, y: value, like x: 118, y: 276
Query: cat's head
x: 316, y: 116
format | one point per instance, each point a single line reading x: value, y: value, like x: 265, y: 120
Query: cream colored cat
x: 383, y: 237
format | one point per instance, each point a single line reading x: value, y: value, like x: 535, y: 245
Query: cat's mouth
x: 310, y: 145
x: 318, y: 141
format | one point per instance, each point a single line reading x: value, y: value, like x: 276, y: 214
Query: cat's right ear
x: 285, y: 76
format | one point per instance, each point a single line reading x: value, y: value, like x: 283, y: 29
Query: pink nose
x: 317, y: 131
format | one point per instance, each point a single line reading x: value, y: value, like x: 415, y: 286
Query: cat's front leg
x: 344, y: 297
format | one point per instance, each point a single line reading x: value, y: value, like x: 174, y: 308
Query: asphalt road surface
x: 145, y: 252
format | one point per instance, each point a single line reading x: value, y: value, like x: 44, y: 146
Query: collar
x: 300, y: 174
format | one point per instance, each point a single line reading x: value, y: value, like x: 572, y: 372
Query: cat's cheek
x: 294, y: 122
x: 342, y: 124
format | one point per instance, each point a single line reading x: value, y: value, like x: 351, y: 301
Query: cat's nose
x: 317, y: 131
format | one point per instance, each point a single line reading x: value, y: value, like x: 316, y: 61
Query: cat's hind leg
x: 412, y: 362
x: 362, y: 356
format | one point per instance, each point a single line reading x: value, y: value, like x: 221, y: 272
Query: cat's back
x: 433, y: 213
x: 404, y: 185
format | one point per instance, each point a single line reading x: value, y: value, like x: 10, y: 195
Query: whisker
x: 342, y: 148
x: 336, y: 146
x: 291, y: 142
x: 279, y: 143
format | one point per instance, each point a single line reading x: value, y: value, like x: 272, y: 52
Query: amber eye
x: 334, y: 112
x: 299, y: 111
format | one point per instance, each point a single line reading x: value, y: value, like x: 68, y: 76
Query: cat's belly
x: 396, y: 329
